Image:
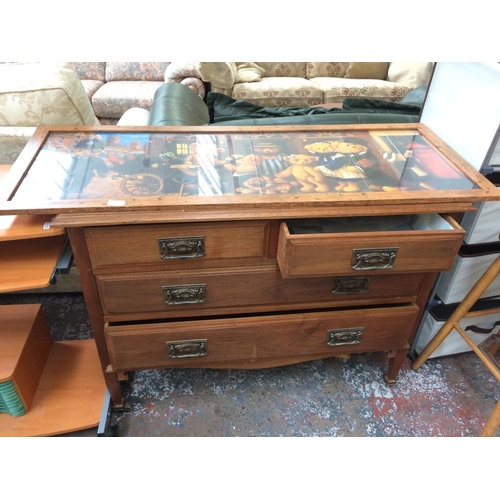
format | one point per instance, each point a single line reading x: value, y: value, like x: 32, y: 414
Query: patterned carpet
x: 450, y: 396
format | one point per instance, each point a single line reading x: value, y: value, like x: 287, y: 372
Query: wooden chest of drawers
x: 222, y: 277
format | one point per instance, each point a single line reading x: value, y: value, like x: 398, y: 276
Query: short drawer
x: 178, y: 245
x: 395, y: 244
x: 175, y: 294
x: 240, y: 340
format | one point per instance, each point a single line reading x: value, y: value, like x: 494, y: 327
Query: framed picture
x: 90, y: 167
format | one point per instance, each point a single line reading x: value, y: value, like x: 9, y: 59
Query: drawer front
x: 320, y: 254
x: 174, y: 294
x: 175, y: 246
x: 202, y: 343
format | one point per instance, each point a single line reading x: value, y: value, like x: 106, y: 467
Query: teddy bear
x: 351, y: 165
x: 244, y: 168
x: 241, y: 165
x: 272, y: 161
x: 265, y: 185
x: 302, y: 169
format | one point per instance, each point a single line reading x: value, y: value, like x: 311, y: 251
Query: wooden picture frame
x: 110, y: 169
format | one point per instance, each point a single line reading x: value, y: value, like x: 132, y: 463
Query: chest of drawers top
x: 90, y: 176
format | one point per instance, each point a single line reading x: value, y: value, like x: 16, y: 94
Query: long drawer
x: 179, y: 246
x: 239, y: 341
x: 218, y: 291
x: 319, y: 247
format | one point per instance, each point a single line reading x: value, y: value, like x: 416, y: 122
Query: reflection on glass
x: 117, y: 165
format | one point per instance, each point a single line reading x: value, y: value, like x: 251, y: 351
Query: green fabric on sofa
x: 224, y: 108
x: 379, y: 106
x: 324, y: 119
x: 176, y: 104
x: 416, y: 96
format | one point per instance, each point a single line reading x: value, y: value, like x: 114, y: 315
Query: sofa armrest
x: 411, y: 74
x: 186, y: 73
x: 220, y: 75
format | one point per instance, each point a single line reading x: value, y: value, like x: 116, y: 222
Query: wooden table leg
x: 90, y: 293
x: 395, y: 362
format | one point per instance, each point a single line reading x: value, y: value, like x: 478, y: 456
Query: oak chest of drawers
x: 234, y: 261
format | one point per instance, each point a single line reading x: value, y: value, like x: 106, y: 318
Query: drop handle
x: 344, y: 336
x: 186, y: 247
x: 185, y: 294
x: 371, y: 259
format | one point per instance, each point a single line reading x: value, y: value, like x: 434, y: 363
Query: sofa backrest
x: 363, y: 70
x: 286, y: 69
x: 90, y: 70
x: 412, y: 74
x: 136, y: 71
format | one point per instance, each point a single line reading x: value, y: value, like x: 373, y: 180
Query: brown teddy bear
x: 241, y: 165
x: 302, y: 169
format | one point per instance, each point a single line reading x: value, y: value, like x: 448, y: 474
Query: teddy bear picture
x: 271, y: 161
x: 302, y: 168
x: 351, y: 165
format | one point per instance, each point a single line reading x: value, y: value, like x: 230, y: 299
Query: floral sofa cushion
x: 90, y: 70
x: 279, y: 91
x: 114, y: 98
x: 136, y: 71
x: 91, y: 74
x: 337, y: 89
x: 127, y: 85
x: 330, y: 69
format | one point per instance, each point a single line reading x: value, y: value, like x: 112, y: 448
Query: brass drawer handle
x: 370, y: 259
x: 185, y: 294
x: 187, y: 348
x: 350, y: 285
x: 181, y: 248
x: 344, y: 336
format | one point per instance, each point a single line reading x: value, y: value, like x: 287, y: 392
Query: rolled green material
x: 175, y: 104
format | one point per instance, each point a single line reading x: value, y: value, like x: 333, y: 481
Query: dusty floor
x: 450, y: 396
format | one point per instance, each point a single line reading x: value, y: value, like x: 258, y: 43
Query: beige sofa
x: 35, y: 94
x: 276, y: 84
x: 114, y: 87
x: 74, y: 93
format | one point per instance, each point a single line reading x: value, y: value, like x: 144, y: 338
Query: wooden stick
x: 493, y: 422
x: 471, y: 298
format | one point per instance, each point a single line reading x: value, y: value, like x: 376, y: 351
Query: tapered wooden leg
x: 395, y: 362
